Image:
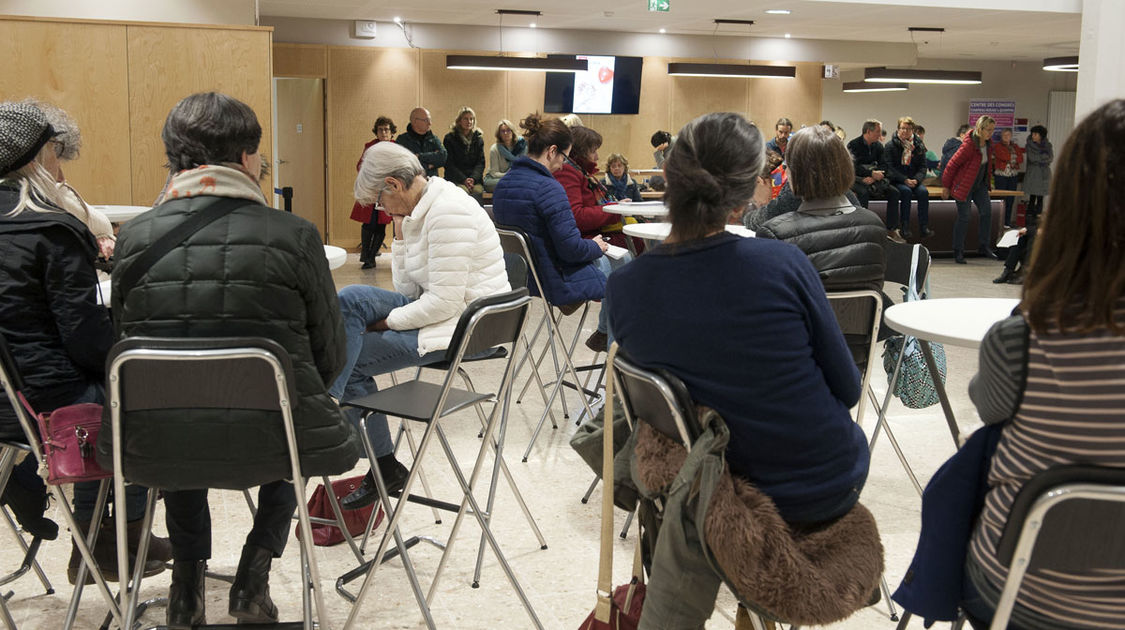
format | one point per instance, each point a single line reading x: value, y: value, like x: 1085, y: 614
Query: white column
x: 1101, y: 56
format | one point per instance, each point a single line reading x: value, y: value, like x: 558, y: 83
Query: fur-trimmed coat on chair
x: 813, y: 577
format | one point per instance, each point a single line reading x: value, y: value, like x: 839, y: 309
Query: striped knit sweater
x: 1065, y: 396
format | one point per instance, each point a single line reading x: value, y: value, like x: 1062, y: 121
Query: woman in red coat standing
x: 967, y: 178
x: 374, y: 220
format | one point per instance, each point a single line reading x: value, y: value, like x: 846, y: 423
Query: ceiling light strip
x: 862, y: 86
x: 891, y: 75
x: 526, y: 64
x: 1061, y: 64
x: 731, y: 70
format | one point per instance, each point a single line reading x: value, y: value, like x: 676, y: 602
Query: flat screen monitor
x: 610, y: 85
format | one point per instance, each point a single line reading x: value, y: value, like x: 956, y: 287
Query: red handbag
x: 622, y: 609
x: 70, y: 436
x: 321, y: 507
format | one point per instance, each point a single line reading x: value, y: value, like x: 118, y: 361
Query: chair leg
x: 628, y: 521
x: 891, y: 611
x: 884, y: 423
x: 590, y: 490
x: 338, y: 512
x: 905, y: 620
x: 133, y: 586
x: 85, y: 547
x: 421, y: 471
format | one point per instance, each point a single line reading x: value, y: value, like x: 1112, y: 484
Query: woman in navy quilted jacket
x: 530, y: 198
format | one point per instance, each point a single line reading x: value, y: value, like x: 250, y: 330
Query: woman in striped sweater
x: 1056, y: 374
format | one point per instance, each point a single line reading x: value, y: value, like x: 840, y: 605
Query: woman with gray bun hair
x: 745, y: 323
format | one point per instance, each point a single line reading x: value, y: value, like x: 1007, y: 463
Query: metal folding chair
x: 251, y: 373
x: 898, y: 257
x: 486, y: 323
x: 9, y: 450
x: 514, y: 241
x: 13, y: 388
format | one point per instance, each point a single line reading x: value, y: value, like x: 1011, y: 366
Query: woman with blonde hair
x: 617, y: 181
x: 967, y: 179
x: 507, y: 149
x: 464, y: 145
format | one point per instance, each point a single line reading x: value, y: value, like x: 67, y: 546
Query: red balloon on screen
x: 605, y: 75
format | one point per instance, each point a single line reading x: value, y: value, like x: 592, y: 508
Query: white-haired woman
x: 464, y: 145
x: 446, y: 253
x: 507, y: 149
x: 51, y: 320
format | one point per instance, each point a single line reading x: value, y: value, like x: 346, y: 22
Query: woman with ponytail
x: 745, y: 323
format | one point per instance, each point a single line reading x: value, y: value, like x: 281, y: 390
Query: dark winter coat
x: 867, y: 157
x: 56, y: 331
x: 947, y: 150
x: 530, y: 198
x: 846, y: 249
x: 427, y: 147
x: 899, y: 172
x: 1037, y: 180
x: 464, y: 160
x: 961, y: 172
x: 255, y: 272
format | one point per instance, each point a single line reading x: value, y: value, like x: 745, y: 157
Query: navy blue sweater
x: 746, y: 324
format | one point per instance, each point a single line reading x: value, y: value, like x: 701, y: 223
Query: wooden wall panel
x: 525, y: 95
x: 796, y: 99
x: 363, y: 84
x: 445, y: 91
x: 169, y: 63
x: 303, y: 61
x: 81, y: 68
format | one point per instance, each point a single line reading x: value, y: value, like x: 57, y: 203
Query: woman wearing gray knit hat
x: 50, y: 317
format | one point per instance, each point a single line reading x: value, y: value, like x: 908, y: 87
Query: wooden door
x: 300, y: 147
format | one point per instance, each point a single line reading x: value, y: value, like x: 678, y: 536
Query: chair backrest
x: 1080, y: 512
x: 514, y: 240
x: 898, y: 257
x: 859, y: 314
x: 516, y: 267
x: 199, y: 373
x: 657, y: 398
x: 489, y: 322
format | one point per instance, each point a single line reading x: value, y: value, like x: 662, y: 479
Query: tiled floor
x: 559, y: 581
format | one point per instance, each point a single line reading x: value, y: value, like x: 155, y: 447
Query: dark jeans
x: 1007, y: 183
x: 905, y: 194
x: 371, y: 241
x: 189, y: 520
x: 979, y: 196
x: 881, y: 189
x: 1034, y: 206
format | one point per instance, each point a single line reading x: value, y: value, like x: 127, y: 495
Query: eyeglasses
x: 420, y: 119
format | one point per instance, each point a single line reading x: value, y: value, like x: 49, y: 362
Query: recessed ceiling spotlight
x: 398, y: 20
x: 778, y: 11
x: 787, y: 36
x: 532, y: 25
x: 663, y: 30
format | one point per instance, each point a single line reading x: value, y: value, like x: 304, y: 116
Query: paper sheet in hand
x: 1008, y: 239
x: 615, y: 252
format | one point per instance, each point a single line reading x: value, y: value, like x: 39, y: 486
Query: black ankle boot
x: 28, y: 506
x: 250, y: 594
x: 187, y: 607
x: 1005, y: 276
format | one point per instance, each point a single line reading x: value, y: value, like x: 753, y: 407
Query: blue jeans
x: 607, y: 266
x: 1004, y: 182
x: 979, y: 196
x: 86, y: 492
x: 905, y: 194
x: 372, y: 353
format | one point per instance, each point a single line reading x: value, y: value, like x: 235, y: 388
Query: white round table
x: 121, y: 214
x: 954, y: 321
x: 660, y: 231
x: 336, y: 256
x: 638, y: 209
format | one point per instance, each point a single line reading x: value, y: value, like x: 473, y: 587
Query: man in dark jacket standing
x: 422, y: 142
x: 253, y: 271
x: 871, y: 181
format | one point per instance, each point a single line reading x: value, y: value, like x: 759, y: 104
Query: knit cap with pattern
x: 23, y: 132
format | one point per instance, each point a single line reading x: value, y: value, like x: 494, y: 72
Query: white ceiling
x: 999, y: 32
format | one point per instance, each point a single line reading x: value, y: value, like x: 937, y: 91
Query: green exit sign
x: 659, y: 5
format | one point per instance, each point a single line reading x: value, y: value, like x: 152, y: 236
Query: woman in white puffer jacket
x: 446, y: 254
